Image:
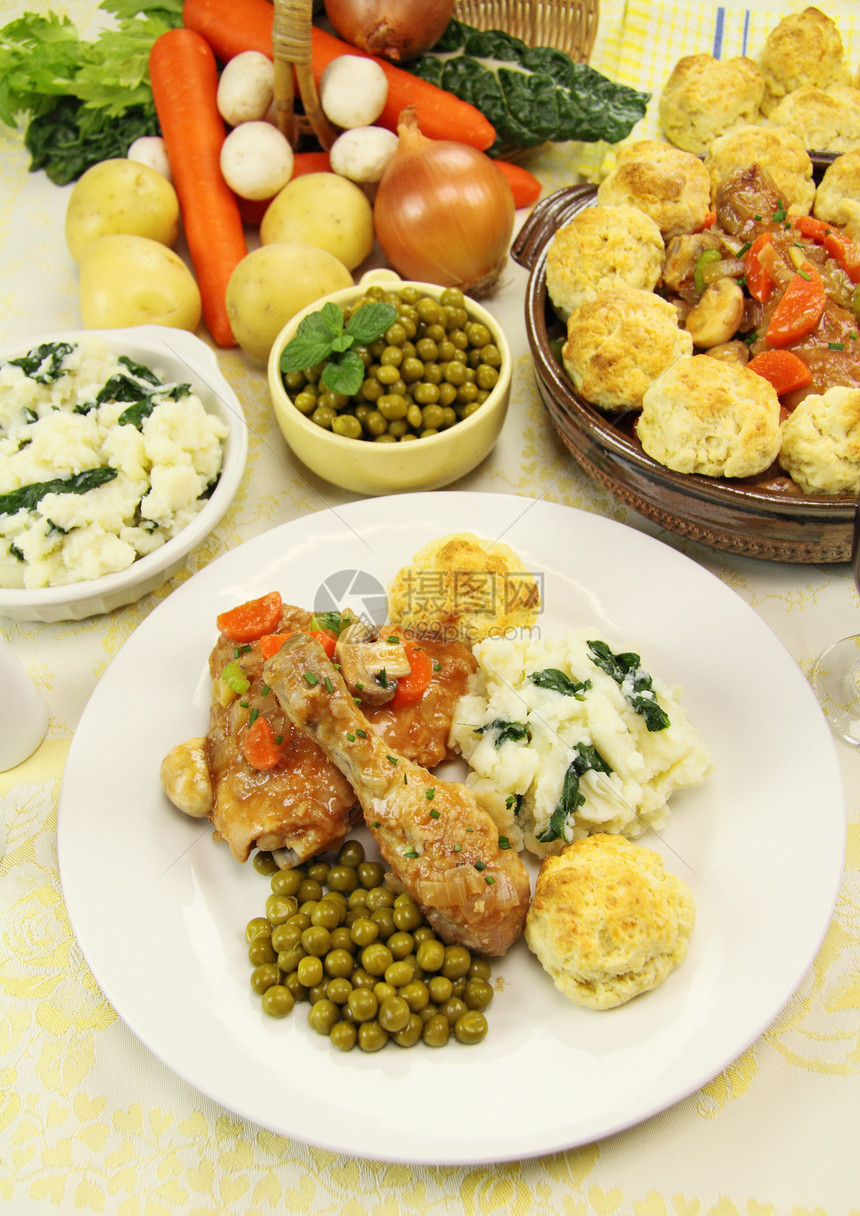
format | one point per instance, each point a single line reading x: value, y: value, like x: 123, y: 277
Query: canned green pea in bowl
x: 387, y: 387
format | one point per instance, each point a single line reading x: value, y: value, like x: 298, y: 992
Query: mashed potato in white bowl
x: 119, y: 452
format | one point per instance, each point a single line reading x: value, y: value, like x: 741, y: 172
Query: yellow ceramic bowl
x: 372, y: 468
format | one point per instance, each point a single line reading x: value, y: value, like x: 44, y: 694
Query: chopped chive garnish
x: 266, y: 690
x: 470, y: 829
x: 504, y: 843
x: 359, y: 687
x: 362, y: 734
x: 394, y: 639
x: 311, y: 679
x: 804, y: 275
x: 350, y: 736
x: 244, y: 704
x: 747, y: 245
x: 253, y: 716
x: 405, y: 779
x: 410, y: 853
x: 437, y: 666
x: 430, y: 793
x: 480, y: 865
x: 835, y: 345
x: 488, y: 878
x: 852, y: 334
x: 375, y: 823
x: 391, y: 759
x: 279, y: 739
x: 328, y: 684
x: 434, y: 814
x: 456, y: 848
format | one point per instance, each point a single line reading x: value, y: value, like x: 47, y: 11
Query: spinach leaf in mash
x: 505, y: 731
x: 44, y: 363
x: 633, y: 682
x: 557, y: 681
x: 587, y: 758
x: 27, y: 497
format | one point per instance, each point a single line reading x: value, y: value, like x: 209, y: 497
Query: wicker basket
x: 567, y: 25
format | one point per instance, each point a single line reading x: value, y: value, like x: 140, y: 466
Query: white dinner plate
x: 160, y: 909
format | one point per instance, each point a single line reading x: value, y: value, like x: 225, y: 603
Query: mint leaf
x: 344, y: 375
x: 370, y: 322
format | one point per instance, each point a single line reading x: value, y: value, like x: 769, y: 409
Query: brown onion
x: 443, y: 212
x: 395, y: 29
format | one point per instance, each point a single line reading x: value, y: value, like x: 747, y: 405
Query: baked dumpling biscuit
x: 463, y: 587
x: 804, y: 48
x: 837, y: 199
x: 602, y: 247
x: 709, y: 417
x: 705, y: 97
x: 619, y: 342
x: 823, y: 120
x: 670, y: 185
x: 821, y: 442
x: 777, y: 151
x: 607, y: 920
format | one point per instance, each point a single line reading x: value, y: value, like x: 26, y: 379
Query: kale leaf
x: 529, y: 94
x: 633, y: 682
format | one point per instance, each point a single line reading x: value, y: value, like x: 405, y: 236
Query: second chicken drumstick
x: 439, y: 842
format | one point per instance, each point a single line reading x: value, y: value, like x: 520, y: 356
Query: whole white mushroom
x: 352, y: 91
x: 150, y: 150
x: 362, y: 153
x: 246, y: 88
x: 256, y: 160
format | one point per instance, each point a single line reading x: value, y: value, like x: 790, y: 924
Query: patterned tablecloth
x: 91, y: 1122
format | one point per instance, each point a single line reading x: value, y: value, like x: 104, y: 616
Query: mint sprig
x: 322, y: 337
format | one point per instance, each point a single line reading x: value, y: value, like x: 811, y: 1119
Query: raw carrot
x: 252, y: 619
x: 411, y: 688
x: 260, y: 747
x: 253, y: 210
x: 799, y: 311
x: 785, y: 370
x: 525, y: 187
x: 184, y: 79
x: 231, y: 26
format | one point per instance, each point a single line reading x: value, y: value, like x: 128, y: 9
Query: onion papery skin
x: 397, y: 30
x: 443, y: 213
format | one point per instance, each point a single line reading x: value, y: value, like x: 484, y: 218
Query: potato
x: 322, y: 209
x: 132, y: 280
x: 121, y: 195
x: 271, y: 284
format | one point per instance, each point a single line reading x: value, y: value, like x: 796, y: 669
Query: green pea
x: 261, y: 950
x: 425, y: 394
x: 437, y: 1031
x: 478, y: 334
x: 399, y: 974
x: 394, y: 1014
x: 316, y: 940
x: 400, y: 943
x: 323, y: 1015
x: 340, y: 939
x: 339, y: 962
x: 328, y: 913
x: 362, y: 1004
x: 371, y: 1037
x: 305, y: 402
x: 287, y: 882
x: 431, y: 955
x: 264, y: 977
x: 384, y: 918
x: 416, y: 995
x: 323, y: 416
x: 347, y: 425
x: 491, y: 355
x: 477, y: 994
x: 375, y: 424
x: 278, y: 1001
x: 453, y: 1009
x: 364, y: 931
x: 264, y: 863
x: 310, y: 970
x: 380, y: 897
x: 441, y: 989
x: 375, y: 958
x: 258, y: 927
x: 338, y: 989
x: 279, y: 908
x: 343, y: 1036
x: 289, y: 959
x: 486, y: 377
x: 470, y: 1027
x: 411, y: 1032
x: 407, y: 915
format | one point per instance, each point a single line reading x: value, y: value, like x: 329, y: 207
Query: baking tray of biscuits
x: 766, y: 517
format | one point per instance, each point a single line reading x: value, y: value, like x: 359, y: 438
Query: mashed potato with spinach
x: 101, y: 462
x: 548, y: 724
